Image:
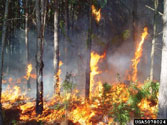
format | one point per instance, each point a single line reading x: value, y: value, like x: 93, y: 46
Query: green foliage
x: 62, y: 26
x: 72, y: 1
x: 149, y: 91
x: 123, y: 111
x: 14, y: 122
x: 68, y: 84
x: 120, y: 37
x: 120, y: 113
x: 103, y: 3
x: 57, y: 107
x: 63, y: 29
x: 135, y: 99
x: 41, y: 123
x: 100, y: 3
x: 155, y: 89
x: 106, y: 87
x: 126, y: 34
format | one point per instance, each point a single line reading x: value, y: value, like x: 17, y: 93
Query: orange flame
x: 80, y: 112
x: 138, y: 54
x: 95, y: 58
x: 96, y: 13
x: 29, y: 70
x: 148, y: 108
x: 11, y: 96
x: 57, y: 76
x: 33, y: 76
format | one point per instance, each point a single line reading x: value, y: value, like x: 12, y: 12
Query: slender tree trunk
x: 89, y: 44
x: 163, y: 79
x: 2, y: 54
x: 66, y: 34
x: 153, y: 40
x: 40, y: 19
x: 56, y: 50
x: 134, y: 20
x: 26, y: 39
x: 67, y: 17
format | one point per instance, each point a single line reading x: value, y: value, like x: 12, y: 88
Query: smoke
x: 106, y: 37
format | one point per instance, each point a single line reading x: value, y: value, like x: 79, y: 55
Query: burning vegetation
x: 108, y: 103
x: 104, y: 103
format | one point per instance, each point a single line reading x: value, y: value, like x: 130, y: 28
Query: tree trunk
x: 89, y: 44
x: 154, y: 40
x: 66, y: 34
x: 67, y: 17
x: 134, y: 20
x: 26, y: 39
x: 40, y: 19
x: 163, y: 79
x: 2, y: 54
x: 56, y: 50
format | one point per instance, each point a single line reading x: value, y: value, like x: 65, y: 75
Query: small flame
x: 29, y: 70
x: 96, y: 13
x: 138, y: 54
x: 57, y: 76
x: 33, y: 76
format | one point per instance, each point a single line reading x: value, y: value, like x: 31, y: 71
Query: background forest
x: 82, y: 61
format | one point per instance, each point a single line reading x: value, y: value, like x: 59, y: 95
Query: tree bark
x: 26, y: 39
x: 154, y: 40
x: 2, y: 54
x: 89, y: 44
x: 40, y: 19
x: 163, y: 78
x: 56, y: 50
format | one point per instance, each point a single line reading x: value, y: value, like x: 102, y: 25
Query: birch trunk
x: 26, y: 39
x: 56, y: 51
x: 163, y: 78
x: 154, y: 40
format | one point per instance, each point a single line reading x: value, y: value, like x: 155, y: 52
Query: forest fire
x: 76, y: 55
x: 96, y: 13
x: 102, y: 101
x: 79, y: 110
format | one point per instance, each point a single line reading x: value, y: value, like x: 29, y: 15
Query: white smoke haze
x: 117, y: 61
